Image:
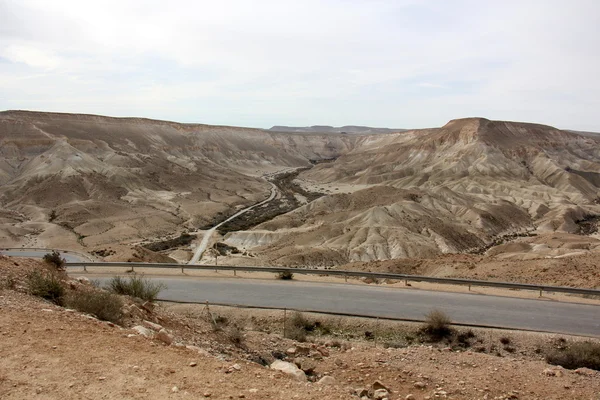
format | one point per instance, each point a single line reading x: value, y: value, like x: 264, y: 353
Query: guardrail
x: 401, y: 277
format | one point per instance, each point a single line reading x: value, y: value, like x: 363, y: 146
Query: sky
x: 259, y: 63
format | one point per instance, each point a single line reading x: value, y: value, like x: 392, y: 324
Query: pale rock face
x: 289, y: 369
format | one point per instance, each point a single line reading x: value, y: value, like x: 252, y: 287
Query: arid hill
x: 420, y: 193
x: 84, y: 180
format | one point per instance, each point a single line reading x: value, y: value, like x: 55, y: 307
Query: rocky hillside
x: 459, y: 188
x: 74, y: 180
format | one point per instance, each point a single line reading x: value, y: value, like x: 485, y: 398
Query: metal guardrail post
x: 234, y: 273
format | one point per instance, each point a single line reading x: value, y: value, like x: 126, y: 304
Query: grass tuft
x: 136, y: 286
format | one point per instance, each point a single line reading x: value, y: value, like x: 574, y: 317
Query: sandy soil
x: 54, y: 353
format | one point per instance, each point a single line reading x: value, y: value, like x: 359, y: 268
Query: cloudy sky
x: 392, y: 63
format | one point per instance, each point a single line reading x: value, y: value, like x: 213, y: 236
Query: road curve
x: 207, y: 234
x: 407, y: 304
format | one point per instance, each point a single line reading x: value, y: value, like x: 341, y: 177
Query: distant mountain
x: 348, y: 129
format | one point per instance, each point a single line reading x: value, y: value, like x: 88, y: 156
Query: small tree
x: 55, y: 259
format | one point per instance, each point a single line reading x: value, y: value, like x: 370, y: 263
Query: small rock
x: 585, y: 371
x: 380, y: 394
x: 253, y: 390
x: 361, y: 392
x: 326, y: 380
x: 142, y: 330
x: 84, y: 280
x: 378, y: 385
x: 420, y: 385
x: 101, y: 378
x: 289, y: 369
x: 164, y: 336
x: 323, y: 350
x: 148, y: 306
x: 193, y: 364
x: 207, y: 394
x: 409, y: 397
x: 152, y: 325
x: 291, y: 351
x: 174, y: 389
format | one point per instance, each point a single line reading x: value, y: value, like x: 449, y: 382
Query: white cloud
x: 32, y: 56
x: 268, y: 62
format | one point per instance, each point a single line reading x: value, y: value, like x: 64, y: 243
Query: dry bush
x: 437, y: 326
x: 236, y: 335
x: 103, y: 305
x: 136, y: 286
x: 47, y: 285
x: 577, y: 355
x: 295, y: 333
x: 285, y: 275
x: 55, y: 260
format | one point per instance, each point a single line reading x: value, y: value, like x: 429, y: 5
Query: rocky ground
x: 167, y: 351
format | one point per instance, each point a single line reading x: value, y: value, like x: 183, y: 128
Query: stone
x: 307, y: 365
x: 84, y: 280
x: 164, y: 336
x: 237, y: 367
x: 326, y: 380
x: 193, y: 364
x: 291, y: 351
x: 253, y: 390
x: 289, y: 369
x: 409, y: 397
x: 152, y: 325
x: 174, y: 389
x: 378, y: 385
x: 380, y: 394
x: 323, y: 350
x: 207, y: 394
x: 361, y: 392
x: 549, y: 372
x: 142, y: 330
x: 420, y: 385
x: 585, y: 371
x: 148, y: 306
x: 198, y: 350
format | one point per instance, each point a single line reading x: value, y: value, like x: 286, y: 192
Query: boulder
x: 380, y: 394
x: 326, y: 380
x: 289, y: 369
x: 164, y: 336
x: 142, y: 330
x: 152, y: 325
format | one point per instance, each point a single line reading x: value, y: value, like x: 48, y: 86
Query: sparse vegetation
x: 236, y: 335
x: 136, y: 286
x: 46, y: 285
x: 285, y: 275
x: 437, y: 326
x: 10, y: 282
x: 577, y: 355
x: 103, y: 305
x: 55, y: 260
x: 505, y: 340
x: 52, y: 216
x: 182, y: 240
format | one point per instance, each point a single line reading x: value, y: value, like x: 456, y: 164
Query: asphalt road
x: 410, y: 304
x: 70, y: 257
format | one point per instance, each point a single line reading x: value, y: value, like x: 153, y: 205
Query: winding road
x: 208, y: 234
x: 394, y: 303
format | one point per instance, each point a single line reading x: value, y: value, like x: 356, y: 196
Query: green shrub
x: 55, y: 259
x: 46, y: 285
x: 136, y: 286
x: 104, y: 305
x: 285, y: 275
x: 437, y: 325
x: 577, y: 355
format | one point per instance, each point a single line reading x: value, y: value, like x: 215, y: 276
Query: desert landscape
x: 124, y: 188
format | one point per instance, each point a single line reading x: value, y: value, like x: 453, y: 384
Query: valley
x: 137, y: 189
